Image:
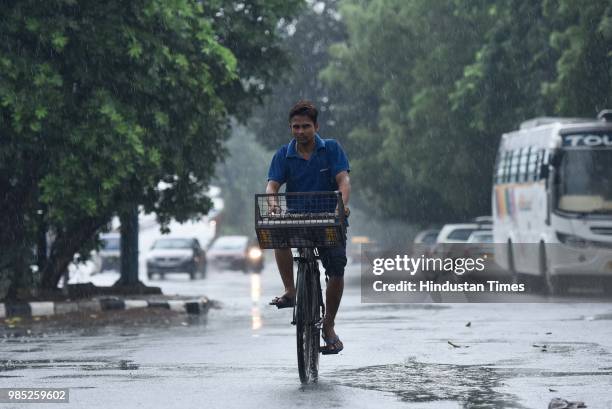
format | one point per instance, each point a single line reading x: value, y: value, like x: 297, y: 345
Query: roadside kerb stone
x: 131, y: 304
x: 42, y: 308
x: 47, y: 308
x: 176, y: 305
x: 107, y: 304
x: 89, y: 306
x: 18, y: 310
x: 66, y: 307
x: 158, y: 304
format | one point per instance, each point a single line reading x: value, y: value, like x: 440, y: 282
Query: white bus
x: 552, y: 201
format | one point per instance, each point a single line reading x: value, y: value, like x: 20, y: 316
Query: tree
x: 100, y: 102
x: 305, y: 42
x: 582, y: 34
x: 427, y: 87
x: 503, y: 85
x: 398, y: 67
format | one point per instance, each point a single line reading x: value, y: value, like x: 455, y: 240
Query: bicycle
x: 305, y: 221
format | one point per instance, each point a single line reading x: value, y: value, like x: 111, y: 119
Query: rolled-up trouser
x: 333, y: 260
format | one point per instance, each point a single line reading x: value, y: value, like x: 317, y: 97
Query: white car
x: 457, y: 233
x: 480, y: 245
x: 452, y: 238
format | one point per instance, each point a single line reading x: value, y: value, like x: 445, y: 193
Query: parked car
x: 452, y: 238
x: 480, y: 245
x: 457, y: 233
x: 425, y: 242
x: 176, y: 255
x: 484, y: 221
x: 481, y: 236
x: 109, y: 255
x: 235, y: 253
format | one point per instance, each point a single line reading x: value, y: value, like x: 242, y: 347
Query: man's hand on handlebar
x: 274, y: 210
x: 347, y: 211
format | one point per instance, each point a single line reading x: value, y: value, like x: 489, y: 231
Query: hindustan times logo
x: 412, y: 265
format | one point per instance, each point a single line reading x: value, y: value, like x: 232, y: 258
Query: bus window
x: 522, y: 167
x: 543, y: 161
x: 532, y: 173
x: 507, y: 160
x: 585, y: 181
x: 499, y: 168
x: 514, y: 165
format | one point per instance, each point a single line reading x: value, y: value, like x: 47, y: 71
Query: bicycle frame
x: 307, y: 315
x: 303, y: 258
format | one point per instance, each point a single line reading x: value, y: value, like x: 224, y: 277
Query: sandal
x: 332, y: 345
x: 283, y: 302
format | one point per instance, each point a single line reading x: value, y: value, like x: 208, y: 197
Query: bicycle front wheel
x: 308, y: 315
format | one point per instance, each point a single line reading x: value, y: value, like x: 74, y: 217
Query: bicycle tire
x: 308, y: 315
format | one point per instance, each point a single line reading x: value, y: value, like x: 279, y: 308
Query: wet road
x: 396, y: 355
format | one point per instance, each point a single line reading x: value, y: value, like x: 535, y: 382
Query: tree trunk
x: 129, y: 247
x: 15, y: 253
x: 65, y: 246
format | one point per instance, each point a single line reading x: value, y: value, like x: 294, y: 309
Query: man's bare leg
x: 333, y: 295
x: 284, y: 261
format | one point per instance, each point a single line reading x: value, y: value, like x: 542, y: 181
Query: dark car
x: 109, y: 255
x: 176, y: 255
x: 235, y: 253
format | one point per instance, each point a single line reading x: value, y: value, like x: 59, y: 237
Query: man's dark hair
x: 305, y: 108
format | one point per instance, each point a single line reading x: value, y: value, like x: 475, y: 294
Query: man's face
x: 303, y: 129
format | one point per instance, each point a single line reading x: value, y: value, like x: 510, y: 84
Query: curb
x: 45, y: 308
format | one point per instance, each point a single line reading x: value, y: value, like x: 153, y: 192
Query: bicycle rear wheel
x: 308, y: 315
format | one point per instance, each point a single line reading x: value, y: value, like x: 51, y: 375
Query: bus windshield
x: 585, y: 181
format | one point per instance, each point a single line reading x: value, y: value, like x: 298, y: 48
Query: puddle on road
x: 472, y: 386
x: 598, y: 317
x: 419, y: 382
x: 20, y: 351
x: 395, y: 307
x: 85, y: 365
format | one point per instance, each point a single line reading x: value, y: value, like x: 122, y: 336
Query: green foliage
x: 423, y: 90
x: 404, y: 59
x: 252, y: 30
x: 582, y: 34
x: 101, y: 101
x: 306, y: 42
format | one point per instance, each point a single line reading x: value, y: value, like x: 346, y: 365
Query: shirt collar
x: 292, y: 149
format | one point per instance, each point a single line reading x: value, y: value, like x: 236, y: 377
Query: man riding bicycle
x: 309, y: 164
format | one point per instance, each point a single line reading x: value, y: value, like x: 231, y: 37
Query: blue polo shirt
x: 318, y: 173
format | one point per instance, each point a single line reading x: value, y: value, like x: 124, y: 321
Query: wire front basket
x: 308, y: 219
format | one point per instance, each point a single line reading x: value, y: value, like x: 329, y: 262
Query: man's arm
x: 344, y: 186
x: 272, y: 188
